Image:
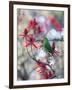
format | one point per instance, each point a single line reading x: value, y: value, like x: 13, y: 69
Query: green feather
x: 47, y: 46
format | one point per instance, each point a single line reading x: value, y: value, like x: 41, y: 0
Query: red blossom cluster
x: 33, y: 24
x: 30, y: 38
x: 44, y: 72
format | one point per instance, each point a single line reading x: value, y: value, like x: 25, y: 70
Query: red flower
x: 33, y: 24
x: 24, y: 33
x: 55, y: 52
x: 41, y: 44
x: 31, y: 41
x: 45, y: 73
x: 57, y: 25
x: 53, y: 45
x: 39, y: 30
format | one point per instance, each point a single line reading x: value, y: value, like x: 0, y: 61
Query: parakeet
x: 48, y: 47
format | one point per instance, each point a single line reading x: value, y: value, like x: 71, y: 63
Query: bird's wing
x: 47, y: 45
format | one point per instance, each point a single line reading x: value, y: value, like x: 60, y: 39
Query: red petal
x: 41, y: 46
x: 58, y: 27
x: 28, y: 44
x: 42, y: 29
x: 53, y: 45
x: 28, y: 36
x: 22, y: 34
x: 56, y: 24
x: 31, y: 24
x: 24, y: 44
x: 34, y: 45
x: 50, y: 74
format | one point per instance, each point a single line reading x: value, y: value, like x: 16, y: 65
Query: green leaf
x: 47, y: 45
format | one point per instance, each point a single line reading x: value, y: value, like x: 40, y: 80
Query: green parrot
x: 48, y: 47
